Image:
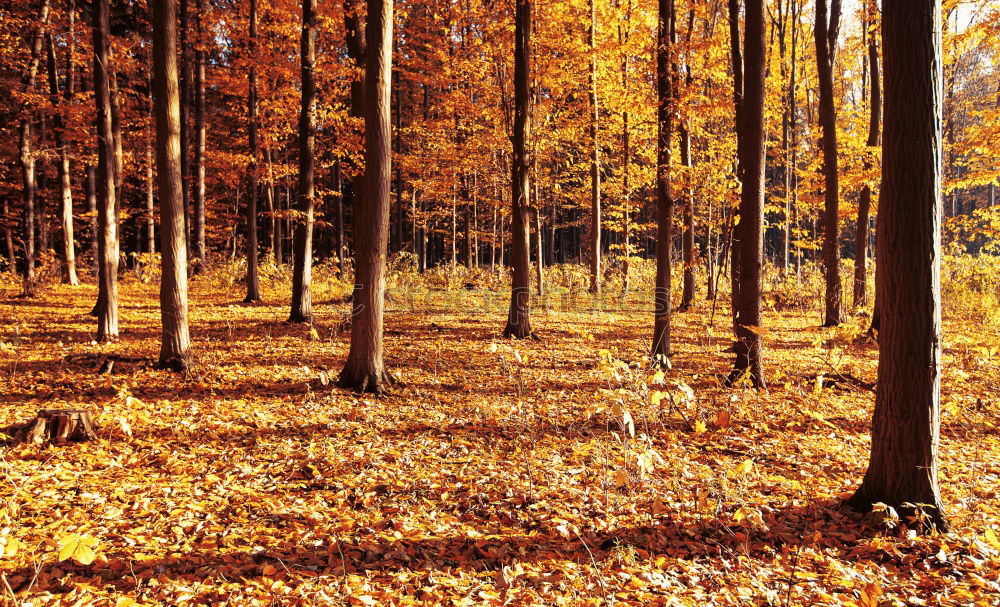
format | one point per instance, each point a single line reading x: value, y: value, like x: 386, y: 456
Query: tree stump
x: 56, y: 426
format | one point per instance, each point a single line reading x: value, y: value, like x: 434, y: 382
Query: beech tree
x: 826, y: 30
x: 26, y: 155
x: 175, y: 345
x: 198, y: 211
x: 365, y: 369
x: 748, y: 233
x: 107, y: 217
x: 902, y: 470
x: 518, y: 316
x: 595, y: 162
x: 65, y: 179
x: 303, y: 239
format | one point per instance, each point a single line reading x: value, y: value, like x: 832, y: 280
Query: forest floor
x: 496, y: 473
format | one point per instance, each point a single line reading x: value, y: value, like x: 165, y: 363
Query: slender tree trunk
x: 518, y: 315
x: 664, y: 200
x: 26, y: 155
x: 90, y: 191
x: 107, y: 219
x: 540, y: 259
x: 626, y: 199
x: 748, y: 233
x: 175, y: 347
x: 365, y: 369
x: 595, y: 160
x: 8, y: 236
x: 65, y: 186
x: 687, y: 300
x: 339, y: 193
x: 253, y: 278
x: 902, y: 470
x: 150, y: 197
x: 198, y: 211
x: 826, y: 30
x: 302, y: 269
x: 865, y: 201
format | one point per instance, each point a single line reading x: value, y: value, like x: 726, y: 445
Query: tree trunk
x: 902, y: 470
x: 150, y: 196
x: 91, y: 192
x: 26, y: 155
x: 302, y: 269
x: 185, y: 100
x: 107, y: 219
x: 748, y: 241
x: 365, y: 370
x: 253, y: 278
x: 826, y: 32
x: 687, y: 299
x: 175, y: 347
x: 664, y: 202
x: 198, y: 210
x: 8, y: 236
x: 595, y: 160
x: 865, y: 201
x: 65, y: 186
x: 518, y: 315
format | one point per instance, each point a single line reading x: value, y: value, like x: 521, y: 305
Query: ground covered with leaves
x: 551, y: 472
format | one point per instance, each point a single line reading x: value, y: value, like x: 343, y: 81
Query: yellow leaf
x: 78, y: 547
x: 991, y: 538
x: 700, y: 427
x: 870, y: 595
x: 656, y: 396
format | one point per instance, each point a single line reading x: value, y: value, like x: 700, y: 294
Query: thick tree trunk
x: 664, y: 201
x: 107, y: 218
x: 365, y: 369
x: 185, y: 99
x: 175, y: 347
x: 253, y: 278
x: 826, y: 32
x: 865, y: 201
x: 748, y: 233
x: 595, y: 160
x: 905, y: 428
x: 198, y: 210
x: 302, y: 268
x: 518, y: 315
x: 25, y: 153
x: 65, y: 186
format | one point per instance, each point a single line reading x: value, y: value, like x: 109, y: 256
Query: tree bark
x: 253, y: 278
x: 58, y: 123
x: 748, y: 241
x: 595, y: 160
x: 302, y: 268
x: 664, y: 201
x: 687, y: 299
x: 175, y: 346
x: 198, y: 210
x: 107, y: 218
x: 902, y: 470
x: 90, y: 190
x: 518, y: 315
x: 826, y: 31
x: 8, y: 236
x: 865, y: 200
x: 365, y: 370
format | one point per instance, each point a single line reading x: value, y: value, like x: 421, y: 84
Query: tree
x: 595, y: 161
x: 865, y: 200
x: 198, y: 209
x: 175, y: 346
x: 26, y: 155
x: 826, y: 31
x: 748, y: 240
x: 302, y: 268
x: 518, y: 316
x: 65, y: 185
x: 902, y: 470
x: 664, y: 201
x: 365, y: 370
x: 107, y: 218
x: 253, y: 278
